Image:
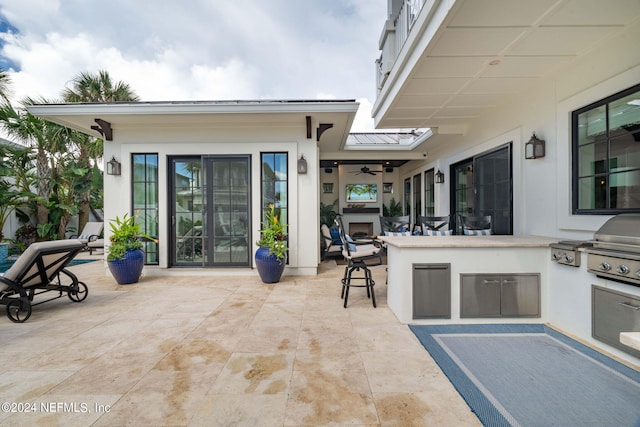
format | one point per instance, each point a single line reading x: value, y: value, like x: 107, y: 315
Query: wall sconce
x: 534, y: 149
x: 113, y: 166
x: 302, y: 165
x: 439, y: 177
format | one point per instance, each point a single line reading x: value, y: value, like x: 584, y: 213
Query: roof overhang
x: 94, y: 118
x: 463, y: 58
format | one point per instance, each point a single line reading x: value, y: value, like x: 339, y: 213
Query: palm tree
x: 31, y: 130
x: 99, y: 87
x: 5, y: 86
x: 87, y: 87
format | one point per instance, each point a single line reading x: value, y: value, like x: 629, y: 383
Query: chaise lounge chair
x: 90, y: 236
x: 40, y: 269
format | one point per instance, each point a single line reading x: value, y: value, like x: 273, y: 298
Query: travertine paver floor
x: 220, y: 351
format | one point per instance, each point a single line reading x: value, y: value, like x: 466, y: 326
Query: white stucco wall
x: 238, y: 139
x: 542, y: 187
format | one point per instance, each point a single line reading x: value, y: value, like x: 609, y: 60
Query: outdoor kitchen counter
x: 468, y: 241
x: 460, y: 256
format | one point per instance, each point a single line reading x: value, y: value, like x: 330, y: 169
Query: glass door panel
x: 417, y: 198
x: 229, y: 209
x: 482, y: 186
x: 493, y: 187
x: 211, y: 211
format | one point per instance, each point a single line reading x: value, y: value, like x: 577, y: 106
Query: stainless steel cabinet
x: 500, y: 295
x: 431, y: 291
x: 614, y: 312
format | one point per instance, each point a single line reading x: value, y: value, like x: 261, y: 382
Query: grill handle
x: 631, y: 306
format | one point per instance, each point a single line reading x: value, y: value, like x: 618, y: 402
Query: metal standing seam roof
x: 380, y: 138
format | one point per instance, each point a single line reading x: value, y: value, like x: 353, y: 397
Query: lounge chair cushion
x: 26, y: 260
x: 486, y: 232
x: 437, y: 232
x: 397, y: 233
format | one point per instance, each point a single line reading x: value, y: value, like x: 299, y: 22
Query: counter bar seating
x: 357, y: 254
x: 476, y: 225
x: 434, y: 225
x: 391, y: 225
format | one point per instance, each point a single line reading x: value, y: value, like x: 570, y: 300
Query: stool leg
x: 346, y: 285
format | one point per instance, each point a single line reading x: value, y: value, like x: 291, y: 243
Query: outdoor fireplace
x: 360, y: 229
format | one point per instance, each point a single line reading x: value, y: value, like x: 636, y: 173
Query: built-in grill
x: 616, y: 250
x: 567, y: 252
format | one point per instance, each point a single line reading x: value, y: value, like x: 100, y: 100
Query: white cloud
x: 199, y: 50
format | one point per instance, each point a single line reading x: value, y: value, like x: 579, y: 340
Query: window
x: 145, y: 200
x: 274, y: 184
x: 606, y: 155
x: 429, y: 194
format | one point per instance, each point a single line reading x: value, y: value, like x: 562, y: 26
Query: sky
x: 184, y: 50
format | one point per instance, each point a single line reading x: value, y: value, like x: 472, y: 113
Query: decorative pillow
x: 486, y: 232
x: 397, y: 233
x: 348, y: 238
x: 84, y: 236
x: 437, y: 232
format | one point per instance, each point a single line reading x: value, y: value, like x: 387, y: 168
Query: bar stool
x: 357, y: 254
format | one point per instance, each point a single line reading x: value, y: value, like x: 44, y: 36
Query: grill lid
x: 622, y: 229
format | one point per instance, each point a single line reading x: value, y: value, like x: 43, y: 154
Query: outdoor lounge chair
x: 90, y: 234
x: 40, y: 269
x: 331, y: 246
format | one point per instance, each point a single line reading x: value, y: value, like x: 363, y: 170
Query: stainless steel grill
x: 616, y: 250
x: 567, y: 252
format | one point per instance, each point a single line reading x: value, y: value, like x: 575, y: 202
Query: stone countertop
x: 468, y: 241
x: 632, y: 339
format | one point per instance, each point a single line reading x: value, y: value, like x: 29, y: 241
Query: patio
x: 221, y: 351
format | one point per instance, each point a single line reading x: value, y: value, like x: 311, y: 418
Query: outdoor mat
x: 4, y: 266
x: 532, y: 375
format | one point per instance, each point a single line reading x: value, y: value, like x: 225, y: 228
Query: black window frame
x: 264, y: 180
x: 575, y: 161
x: 151, y: 248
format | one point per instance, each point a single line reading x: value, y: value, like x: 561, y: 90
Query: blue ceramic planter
x: 270, y: 268
x: 129, y: 269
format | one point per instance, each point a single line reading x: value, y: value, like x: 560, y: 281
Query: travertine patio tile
x: 201, y: 351
x: 240, y: 410
x: 320, y: 397
x: 255, y: 373
x: 400, y: 371
x: 423, y: 409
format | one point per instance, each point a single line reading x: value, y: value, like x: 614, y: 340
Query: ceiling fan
x: 365, y: 169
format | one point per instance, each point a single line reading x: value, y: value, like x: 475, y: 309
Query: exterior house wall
x: 542, y: 187
x: 232, y: 140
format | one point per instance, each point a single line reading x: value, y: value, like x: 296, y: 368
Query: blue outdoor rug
x: 531, y: 375
x: 4, y: 266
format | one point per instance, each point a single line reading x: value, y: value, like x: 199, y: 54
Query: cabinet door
x: 431, y: 291
x: 614, y: 312
x: 520, y: 295
x: 480, y: 295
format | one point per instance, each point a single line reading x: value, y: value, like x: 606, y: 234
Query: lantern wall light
x: 439, y: 177
x: 534, y: 148
x: 113, y: 166
x: 302, y: 165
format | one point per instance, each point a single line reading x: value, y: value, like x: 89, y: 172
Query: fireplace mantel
x: 360, y: 210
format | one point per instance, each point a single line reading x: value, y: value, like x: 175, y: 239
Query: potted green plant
x: 272, y: 248
x: 125, y: 255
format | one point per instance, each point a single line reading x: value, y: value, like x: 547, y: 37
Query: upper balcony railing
x: 404, y: 20
x: 395, y: 34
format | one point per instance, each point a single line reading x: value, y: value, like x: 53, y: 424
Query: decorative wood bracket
x: 323, y: 127
x: 104, y: 129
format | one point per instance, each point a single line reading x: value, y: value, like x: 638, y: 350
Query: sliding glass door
x: 482, y: 185
x: 210, y: 211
